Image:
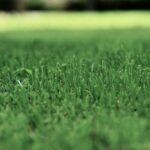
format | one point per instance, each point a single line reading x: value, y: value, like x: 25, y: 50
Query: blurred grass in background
x: 73, y: 21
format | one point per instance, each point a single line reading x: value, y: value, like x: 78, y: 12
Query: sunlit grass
x: 73, y: 21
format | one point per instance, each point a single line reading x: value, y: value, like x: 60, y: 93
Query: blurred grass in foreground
x: 73, y: 21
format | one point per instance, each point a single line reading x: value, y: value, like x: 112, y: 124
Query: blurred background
x: 79, y: 5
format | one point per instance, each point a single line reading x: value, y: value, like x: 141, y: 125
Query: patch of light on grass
x: 73, y: 21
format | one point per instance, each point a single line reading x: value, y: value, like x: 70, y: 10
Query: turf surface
x: 75, y: 90
x: 83, y: 90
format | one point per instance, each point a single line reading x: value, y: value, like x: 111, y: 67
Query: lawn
x: 74, y: 89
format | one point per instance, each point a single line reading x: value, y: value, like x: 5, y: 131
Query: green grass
x: 75, y: 90
x: 79, y: 90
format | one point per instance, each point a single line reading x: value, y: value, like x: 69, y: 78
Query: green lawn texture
x: 74, y: 89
